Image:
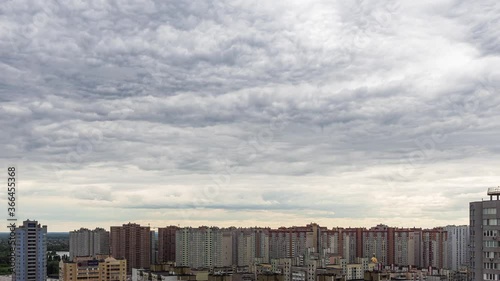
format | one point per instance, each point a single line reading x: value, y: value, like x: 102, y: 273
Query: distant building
x: 352, y: 271
x: 484, y: 237
x: 458, y: 251
x: 330, y: 243
x: 85, y: 242
x: 166, y: 244
x: 154, y: 251
x: 296, y: 241
x: 220, y: 277
x: 352, y: 244
x: 206, y: 247
x: 330, y: 277
x: 435, y: 247
x: 195, y: 246
x: 252, y: 245
x: 146, y: 275
x: 378, y: 241
x: 279, y: 243
x: 133, y: 243
x: 406, y: 247
x: 100, y: 268
x: 226, y: 250
x: 271, y: 277
x: 31, y: 252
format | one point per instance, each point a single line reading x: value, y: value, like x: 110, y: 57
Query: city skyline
x: 241, y: 113
x: 213, y: 246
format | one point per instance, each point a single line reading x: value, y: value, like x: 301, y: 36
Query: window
x: 490, y: 233
x: 490, y: 265
x: 490, y: 222
x: 489, y: 276
x: 491, y: 244
x: 489, y: 255
x: 489, y: 211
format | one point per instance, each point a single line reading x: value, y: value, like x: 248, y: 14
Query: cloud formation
x: 236, y: 113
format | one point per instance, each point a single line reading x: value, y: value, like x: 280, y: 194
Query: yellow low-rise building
x: 102, y: 268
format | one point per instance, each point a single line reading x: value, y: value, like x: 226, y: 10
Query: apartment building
x: 133, y: 243
x: 458, y: 251
x: 85, y: 242
x: 93, y: 268
x: 484, y: 241
x: 166, y: 243
x: 31, y: 252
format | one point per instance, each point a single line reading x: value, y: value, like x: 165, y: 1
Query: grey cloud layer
x: 327, y: 110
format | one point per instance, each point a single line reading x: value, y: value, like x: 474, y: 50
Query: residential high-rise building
x: 458, y: 252
x: 195, y: 247
x: 154, y: 251
x: 376, y: 242
x: 484, y: 237
x: 85, y: 242
x: 404, y: 246
x: 435, y: 248
x: 182, y: 246
x: 279, y: 243
x: 252, y: 245
x: 133, y: 243
x: 352, y: 244
x: 31, y: 252
x: 98, y: 268
x: 297, y: 241
x: 415, y: 247
x: 330, y: 243
x: 215, y: 247
x: 166, y: 243
x: 401, y: 247
x: 226, y: 249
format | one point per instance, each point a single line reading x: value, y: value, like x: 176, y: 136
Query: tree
x: 52, y: 267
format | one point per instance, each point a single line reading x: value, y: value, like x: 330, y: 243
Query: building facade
x: 147, y: 275
x: 434, y: 248
x: 154, y: 247
x: 99, y: 268
x: 31, y: 252
x: 458, y: 252
x: 376, y: 241
x: 133, y: 243
x: 197, y: 247
x: 205, y: 247
x: 86, y: 242
x: 166, y: 243
x: 484, y: 241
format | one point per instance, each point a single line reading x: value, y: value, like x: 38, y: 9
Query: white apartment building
x: 31, y: 252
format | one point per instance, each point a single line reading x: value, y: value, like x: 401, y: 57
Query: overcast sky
x: 244, y: 113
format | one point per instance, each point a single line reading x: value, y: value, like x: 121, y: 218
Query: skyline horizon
x: 276, y: 225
